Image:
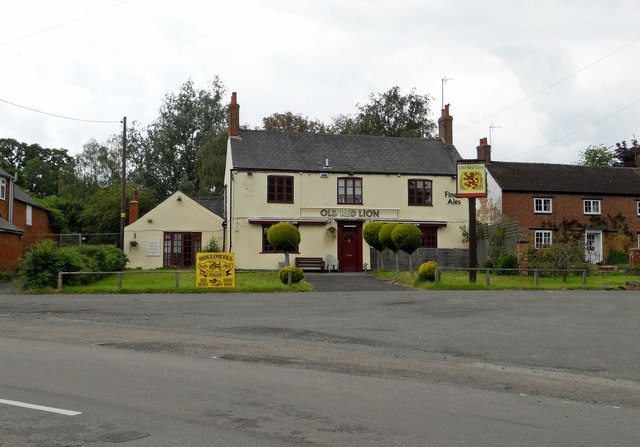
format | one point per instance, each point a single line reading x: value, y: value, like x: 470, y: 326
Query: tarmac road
x: 572, y: 353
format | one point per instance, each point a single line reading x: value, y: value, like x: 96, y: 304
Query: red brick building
x: 599, y: 204
x: 23, y: 221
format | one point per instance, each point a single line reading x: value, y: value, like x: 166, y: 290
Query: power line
x: 75, y: 19
x: 59, y: 116
x: 553, y: 84
x: 577, y: 131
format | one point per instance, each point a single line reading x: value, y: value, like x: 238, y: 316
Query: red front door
x: 350, y: 246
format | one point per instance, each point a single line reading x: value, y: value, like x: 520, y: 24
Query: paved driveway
x: 351, y: 282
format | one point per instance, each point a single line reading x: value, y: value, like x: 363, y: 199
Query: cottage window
x: 266, y: 246
x: 429, y: 236
x: 542, y: 205
x: 29, y: 216
x: 3, y: 188
x: 591, y: 206
x: 279, y: 189
x: 419, y: 192
x: 180, y: 249
x: 638, y: 207
x: 350, y: 191
x: 543, y: 237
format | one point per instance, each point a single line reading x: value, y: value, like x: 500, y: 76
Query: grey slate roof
x: 7, y: 227
x: 556, y: 178
x: 283, y: 151
x: 215, y: 204
x: 22, y: 196
x: 4, y: 173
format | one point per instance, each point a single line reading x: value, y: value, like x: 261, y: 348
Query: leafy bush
x: 427, y: 271
x: 40, y: 266
x: 617, y: 257
x: 558, y: 256
x: 296, y: 274
x: 407, y: 237
x: 370, y: 233
x: 212, y: 246
x: 384, y: 235
x: 284, y: 236
x: 509, y: 261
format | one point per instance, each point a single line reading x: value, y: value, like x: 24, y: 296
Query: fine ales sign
x: 472, y: 179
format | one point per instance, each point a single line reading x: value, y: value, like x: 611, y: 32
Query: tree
x: 371, y: 232
x: 286, y: 237
x: 100, y: 165
x: 385, y: 239
x: 389, y: 114
x: 288, y: 122
x: 166, y: 158
x: 39, y: 170
x: 626, y: 154
x: 597, y: 156
x: 407, y: 237
x: 102, y: 211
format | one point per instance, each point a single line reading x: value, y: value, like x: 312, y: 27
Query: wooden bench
x: 310, y: 263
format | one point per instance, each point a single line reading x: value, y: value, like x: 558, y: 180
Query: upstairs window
x: 591, y: 206
x: 542, y: 205
x: 349, y: 191
x: 420, y: 192
x: 29, y: 216
x: 3, y: 188
x: 279, y: 189
x: 638, y: 207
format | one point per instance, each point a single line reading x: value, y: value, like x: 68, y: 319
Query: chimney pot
x: 234, y: 116
x: 484, y: 150
x: 445, y: 126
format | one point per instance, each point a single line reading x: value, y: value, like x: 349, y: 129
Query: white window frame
x: 592, y: 204
x: 29, y: 216
x: 638, y: 207
x: 541, y: 237
x: 542, y: 205
x: 3, y: 188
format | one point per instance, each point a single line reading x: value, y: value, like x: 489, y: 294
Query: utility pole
x: 123, y: 182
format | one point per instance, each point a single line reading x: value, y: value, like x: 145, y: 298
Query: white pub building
x: 330, y: 186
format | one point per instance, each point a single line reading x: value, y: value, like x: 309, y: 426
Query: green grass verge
x: 165, y: 282
x: 452, y: 280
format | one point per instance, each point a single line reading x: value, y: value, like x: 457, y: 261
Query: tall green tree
x: 597, y: 156
x: 389, y: 114
x: 102, y: 211
x: 166, y: 158
x: 289, y: 122
x: 38, y: 169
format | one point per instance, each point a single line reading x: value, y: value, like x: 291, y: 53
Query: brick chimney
x: 445, y: 126
x: 134, y: 210
x: 234, y: 116
x: 484, y: 150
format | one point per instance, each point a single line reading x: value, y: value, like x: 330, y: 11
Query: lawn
x: 156, y: 281
x: 458, y: 280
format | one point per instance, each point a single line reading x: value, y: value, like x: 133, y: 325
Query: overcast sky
x: 551, y: 76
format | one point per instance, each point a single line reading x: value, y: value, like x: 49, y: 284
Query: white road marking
x: 40, y: 407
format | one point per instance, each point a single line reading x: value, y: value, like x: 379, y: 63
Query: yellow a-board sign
x: 215, y: 270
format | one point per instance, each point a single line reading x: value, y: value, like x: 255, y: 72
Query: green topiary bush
x: 370, y: 233
x: 296, y: 274
x: 427, y: 271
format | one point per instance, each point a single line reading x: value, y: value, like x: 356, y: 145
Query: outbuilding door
x: 350, y: 246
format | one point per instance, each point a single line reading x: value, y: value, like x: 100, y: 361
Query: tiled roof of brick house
x: 557, y: 178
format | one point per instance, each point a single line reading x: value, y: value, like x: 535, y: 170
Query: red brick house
x: 599, y: 204
x: 23, y: 221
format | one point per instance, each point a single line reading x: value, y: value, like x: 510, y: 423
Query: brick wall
x: 569, y: 207
x: 11, y: 248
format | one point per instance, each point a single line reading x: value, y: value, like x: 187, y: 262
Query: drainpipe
x: 11, y: 194
x: 230, y: 216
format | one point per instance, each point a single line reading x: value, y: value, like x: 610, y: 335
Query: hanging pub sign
x: 215, y: 270
x: 472, y: 179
